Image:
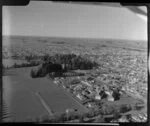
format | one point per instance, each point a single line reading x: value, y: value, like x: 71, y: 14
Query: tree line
x: 71, y: 61
x: 60, y: 63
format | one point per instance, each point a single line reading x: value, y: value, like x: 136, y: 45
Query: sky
x: 44, y: 18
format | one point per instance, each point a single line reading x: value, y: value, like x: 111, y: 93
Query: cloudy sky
x: 43, y: 18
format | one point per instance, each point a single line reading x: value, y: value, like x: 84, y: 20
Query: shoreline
x: 71, y: 95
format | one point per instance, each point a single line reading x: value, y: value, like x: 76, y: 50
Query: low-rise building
x: 97, y: 97
x: 86, y: 83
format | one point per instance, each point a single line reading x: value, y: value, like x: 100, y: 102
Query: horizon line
x: 73, y: 37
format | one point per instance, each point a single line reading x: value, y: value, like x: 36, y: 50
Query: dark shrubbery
x: 28, y: 58
x: 38, y: 72
x: 116, y: 115
x: 108, y: 110
x: 75, y: 81
x: 115, y: 109
x: 45, y: 58
x: 3, y: 67
x: 33, y: 73
x: 32, y: 57
x: 116, y: 94
x: 99, y: 119
x: 103, y: 45
x: 109, y: 113
x: 125, y: 108
x: 138, y: 106
x: 64, y: 117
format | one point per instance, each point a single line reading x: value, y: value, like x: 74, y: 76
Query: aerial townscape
x: 75, y: 63
x: 77, y: 80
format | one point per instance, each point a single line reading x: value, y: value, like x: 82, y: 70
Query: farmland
x: 122, y: 64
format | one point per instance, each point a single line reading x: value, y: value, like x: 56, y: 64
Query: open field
x: 121, y: 63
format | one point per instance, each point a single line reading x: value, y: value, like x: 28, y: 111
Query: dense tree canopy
x: 62, y: 63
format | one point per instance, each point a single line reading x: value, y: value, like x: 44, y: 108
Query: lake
x: 19, y: 94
